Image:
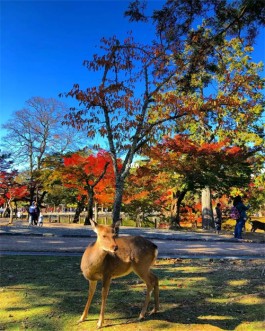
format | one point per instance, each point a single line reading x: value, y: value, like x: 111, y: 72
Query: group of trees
x: 190, y: 102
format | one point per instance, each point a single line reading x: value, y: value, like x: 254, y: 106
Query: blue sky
x: 44, y: 43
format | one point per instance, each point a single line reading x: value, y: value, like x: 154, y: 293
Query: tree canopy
x: 192, y: 91
x: 35, y: 132
x: 146, y: 91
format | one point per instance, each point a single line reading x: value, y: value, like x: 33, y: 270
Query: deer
x: 112, y: 257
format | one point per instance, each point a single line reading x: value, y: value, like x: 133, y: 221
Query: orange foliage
x: 17, y: 193
x: 11, y: 190
x: 83, y: 171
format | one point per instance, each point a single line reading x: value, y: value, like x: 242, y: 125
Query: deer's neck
x: 97, y: 255
x: 93, y: 261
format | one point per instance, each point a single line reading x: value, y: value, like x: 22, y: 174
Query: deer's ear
x: 94, y: 225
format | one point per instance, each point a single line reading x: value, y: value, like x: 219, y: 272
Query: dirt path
x: 167, y: 248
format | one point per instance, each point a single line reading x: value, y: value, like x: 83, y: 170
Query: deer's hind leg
x: 156, y: 295
x: 151, y: 282
x: 91, y: 292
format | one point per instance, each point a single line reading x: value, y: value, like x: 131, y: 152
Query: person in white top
x: 40, y: 220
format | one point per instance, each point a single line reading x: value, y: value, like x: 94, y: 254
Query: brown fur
x: 110, y: 257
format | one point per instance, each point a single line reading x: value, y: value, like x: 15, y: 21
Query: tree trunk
x: 139, y: 218
x: 173, y: 207
x: 32, y: 193
x: 41, y: 198
x: 207, y: 211
x: 180, y: 199
x: 90, y: 204
x: 175, y: 220
x: 11, y: 215
x: 117, y: 201
x: 96, y: 211
x: 79, y: 209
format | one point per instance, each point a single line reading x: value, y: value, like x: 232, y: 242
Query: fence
x: 106, y: 218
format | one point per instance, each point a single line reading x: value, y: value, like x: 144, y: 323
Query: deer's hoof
x: 99, y: 325
x: 141, y: 317
x: 153, y: 311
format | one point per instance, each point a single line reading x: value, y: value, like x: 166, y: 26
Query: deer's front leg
x: 91, y: 291
x: 105, y: 292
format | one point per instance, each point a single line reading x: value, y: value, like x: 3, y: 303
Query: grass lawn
x: 49, y: 293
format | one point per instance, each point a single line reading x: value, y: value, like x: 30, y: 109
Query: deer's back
x: 136, y: 249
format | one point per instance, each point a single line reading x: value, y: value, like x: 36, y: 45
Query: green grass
x: 49, y: 293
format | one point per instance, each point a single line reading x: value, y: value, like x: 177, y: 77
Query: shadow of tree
x: 49, y: 293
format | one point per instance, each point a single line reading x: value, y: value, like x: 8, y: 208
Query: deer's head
x: 106, y: 236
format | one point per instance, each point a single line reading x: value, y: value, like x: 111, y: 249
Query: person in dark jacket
x: 34, y: 212
x: 240, y: 223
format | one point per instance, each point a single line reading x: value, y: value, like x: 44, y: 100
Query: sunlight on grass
x: 24, y: 303
x: 242, y: 299
x: 184, y: 281
x: 30, y: 312
x: 250, y: 300
x: 217, y: 300
x: 239, y: 282
x: 193, y: 270
x: 10, y: 299
x: 215, y: 317
x: 246, y: 326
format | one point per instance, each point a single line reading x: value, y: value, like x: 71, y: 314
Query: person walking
x: 40, y: 220
x: 31, y: 211
x: 240, y: 222
x: 34, y: 212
